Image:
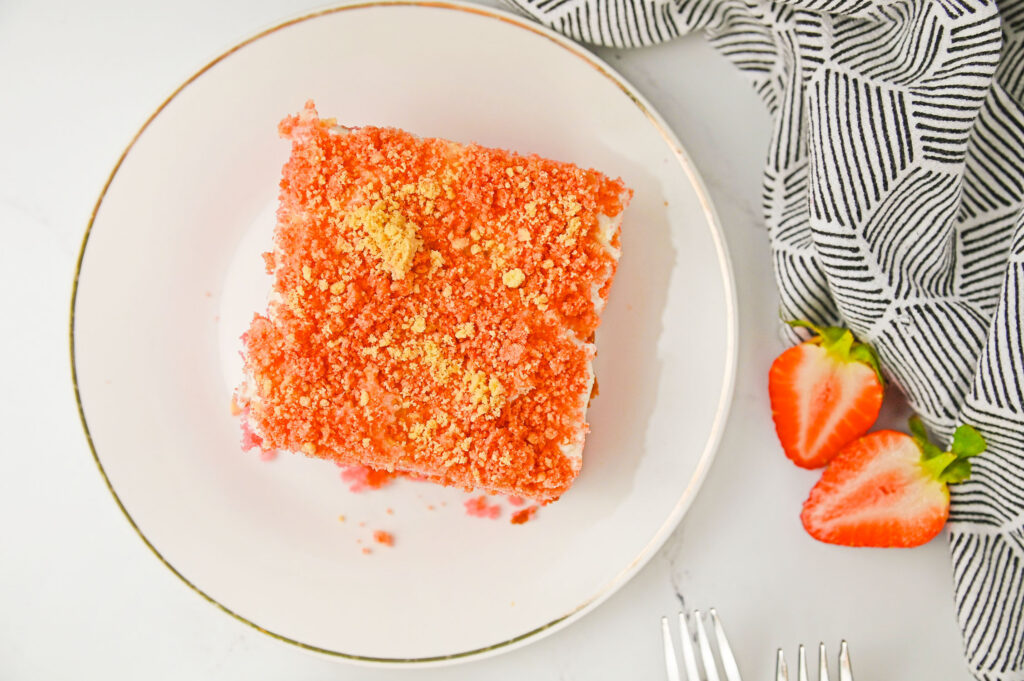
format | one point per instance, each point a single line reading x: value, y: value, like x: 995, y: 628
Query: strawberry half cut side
x: 825, y: 393
x: 889, y: 489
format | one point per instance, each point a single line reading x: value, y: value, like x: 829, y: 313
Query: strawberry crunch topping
x: 479, y: 508
x: 524, y: 516
x: 434, y: 307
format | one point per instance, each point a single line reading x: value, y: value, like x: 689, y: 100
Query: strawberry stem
x: 841, y: 344
x: 937, y: 464
x: 952, y: 466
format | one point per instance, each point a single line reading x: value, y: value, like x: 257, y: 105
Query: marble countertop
x: 82, y: 597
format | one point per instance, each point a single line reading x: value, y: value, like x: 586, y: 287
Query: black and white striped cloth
x: 894, y: 199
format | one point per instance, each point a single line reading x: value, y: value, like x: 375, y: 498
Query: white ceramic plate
x: 170, y: 275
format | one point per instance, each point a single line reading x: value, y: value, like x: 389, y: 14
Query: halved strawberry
x: 825, y: 393
x: 889, y: 489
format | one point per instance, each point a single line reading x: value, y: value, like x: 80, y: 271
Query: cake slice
x: 433, y: 308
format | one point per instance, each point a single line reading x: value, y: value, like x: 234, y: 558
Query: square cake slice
x: 433, y: 308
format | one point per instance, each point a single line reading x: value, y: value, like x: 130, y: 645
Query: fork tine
x: 710, y: 670
x: 845, y: 671
x: 781, y: 672
x: 801, y: 664
x: 689, y: 659
x: 732, y: 671
x: 671, y: 663
x: 822, y: 663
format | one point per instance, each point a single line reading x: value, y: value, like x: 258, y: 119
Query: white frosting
x: 607, y: 228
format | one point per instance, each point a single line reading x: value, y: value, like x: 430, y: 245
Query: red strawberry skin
x: 821, y: 404
x: 875, y: 492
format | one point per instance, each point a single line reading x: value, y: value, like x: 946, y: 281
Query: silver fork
x: 707, y: 658
x: 845, y: 671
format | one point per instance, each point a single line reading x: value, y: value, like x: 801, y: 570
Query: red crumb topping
x: 433, y: 310
x: 479, y: 508
x: 520, y: 517
x: 250, y: 440
x: 516, y: 501
x: 385, y: 538
x: 362, y: 478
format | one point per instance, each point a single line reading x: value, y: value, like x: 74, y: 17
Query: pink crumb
x: 251, y: 440
x: 367, y: 550
x: 385, y: 538
x: 516, y: 501
x: 363, y: 478
x: 520, y: 517
x: 479, y: 508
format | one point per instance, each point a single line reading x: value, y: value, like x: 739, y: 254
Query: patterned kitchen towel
x: 894, y: 199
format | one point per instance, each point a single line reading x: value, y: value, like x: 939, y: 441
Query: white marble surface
x: 82, y: 597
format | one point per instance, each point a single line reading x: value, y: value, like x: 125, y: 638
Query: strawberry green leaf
x: 841, y: 346
x: 930, y: 451
x: 826, y: 335
x: 837, y: 337
x: 920, y: 435
x: 958, y: 471
x: 968, y: 442
x: 804, y: 324
x: 917, y: 429
x: 952, y: 466
x: 937, y: 465
x: 864, y: 353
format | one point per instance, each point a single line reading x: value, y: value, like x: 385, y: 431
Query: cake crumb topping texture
x: 433, y: 308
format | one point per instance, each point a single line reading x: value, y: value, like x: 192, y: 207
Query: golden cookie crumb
x: 390, y: 236
x: 486, y: 393
x: 513, y: 278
